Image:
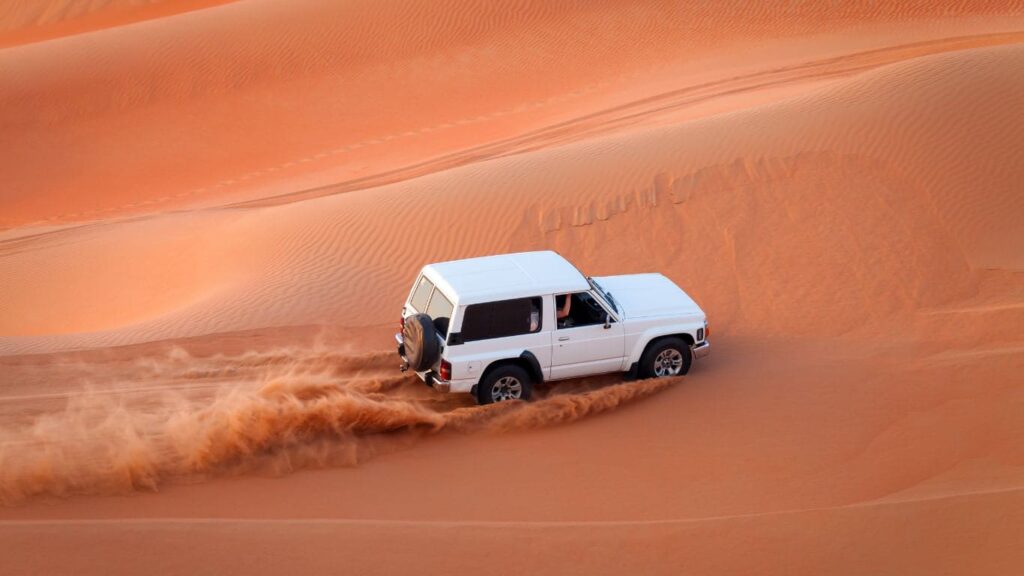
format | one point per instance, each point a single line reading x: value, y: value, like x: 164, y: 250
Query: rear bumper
x: 701, y: 350
x: 431, y: 379
x: 401, y: 351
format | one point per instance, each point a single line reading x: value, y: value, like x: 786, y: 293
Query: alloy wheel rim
x: 668, y: 363
x: 507, y: 388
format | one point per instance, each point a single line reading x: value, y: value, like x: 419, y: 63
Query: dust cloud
x: 179, y: 418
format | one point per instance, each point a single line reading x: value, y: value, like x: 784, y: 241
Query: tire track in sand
x: 600, y: 122
x: 632, y: 113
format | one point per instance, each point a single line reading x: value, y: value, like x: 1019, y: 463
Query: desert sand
x: 212, y: 212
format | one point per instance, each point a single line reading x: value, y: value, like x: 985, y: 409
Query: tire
x: 507, y: 382
x: 666, y: 357
x: 422, y: 349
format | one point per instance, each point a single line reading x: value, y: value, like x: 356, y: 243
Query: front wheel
x: 666, y: 357
x: 509, y: 382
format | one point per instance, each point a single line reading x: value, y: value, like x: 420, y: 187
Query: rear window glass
x: 440, y: 310
x: 421, y: 294
x: 500, y: 319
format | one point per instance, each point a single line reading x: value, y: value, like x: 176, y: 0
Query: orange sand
x: 204, y: 247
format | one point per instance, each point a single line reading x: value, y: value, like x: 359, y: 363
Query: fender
x: 687, y: 328
x: 535, y: 370
x: 526, y: 357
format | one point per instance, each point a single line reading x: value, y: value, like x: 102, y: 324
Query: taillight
x: 446, y: 370
x: 707, y: 331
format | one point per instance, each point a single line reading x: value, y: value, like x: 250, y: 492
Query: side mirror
x: 607, y: 321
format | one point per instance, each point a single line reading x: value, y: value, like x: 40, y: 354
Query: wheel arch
x: 526, y: 360
x: 644, y: 344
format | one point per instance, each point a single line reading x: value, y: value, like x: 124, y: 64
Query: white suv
x: 497, y: 325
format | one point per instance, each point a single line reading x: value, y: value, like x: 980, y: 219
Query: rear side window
x: 500, y: 319
x: 421, y: 294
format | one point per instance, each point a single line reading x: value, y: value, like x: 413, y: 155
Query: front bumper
x: 701, y: 350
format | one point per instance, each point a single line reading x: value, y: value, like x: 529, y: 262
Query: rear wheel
x: 666, y: 357
x: 508, y: 382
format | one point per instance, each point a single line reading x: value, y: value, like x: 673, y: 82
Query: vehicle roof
x: 506, y: 276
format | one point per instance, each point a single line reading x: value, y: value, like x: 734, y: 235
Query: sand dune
x: 212, y: 211
x: 167, y: 122
x: 832, y: 167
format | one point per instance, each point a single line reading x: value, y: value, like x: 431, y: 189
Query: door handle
x: 563, y: 338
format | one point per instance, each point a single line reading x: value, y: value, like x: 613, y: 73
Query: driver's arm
x: 565, y: 307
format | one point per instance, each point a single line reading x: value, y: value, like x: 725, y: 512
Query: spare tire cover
x: 422, y: 349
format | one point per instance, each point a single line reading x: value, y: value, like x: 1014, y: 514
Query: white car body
x: 640, y: 309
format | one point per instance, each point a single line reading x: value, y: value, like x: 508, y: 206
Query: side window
x: 421, y: 294
x: 500, y: 319
x: 578, y: 309
x: 440, y: 310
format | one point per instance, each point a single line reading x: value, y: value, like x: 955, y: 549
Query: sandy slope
x: 25, y: 21
x: 207, y: 217
x: 880, y: 538
x: 251, y: 98
x: 830, y: 168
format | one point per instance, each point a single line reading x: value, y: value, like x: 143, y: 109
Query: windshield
x: 606, y: 295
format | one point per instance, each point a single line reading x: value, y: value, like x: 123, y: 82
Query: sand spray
x: 182, y: 418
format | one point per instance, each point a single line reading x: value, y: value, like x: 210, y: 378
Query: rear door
x: 588, y: 349
x: 426, y: 298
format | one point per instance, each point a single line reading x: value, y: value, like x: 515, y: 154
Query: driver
x: 563, y: 302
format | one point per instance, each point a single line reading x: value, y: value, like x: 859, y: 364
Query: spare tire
x: 422, y: 348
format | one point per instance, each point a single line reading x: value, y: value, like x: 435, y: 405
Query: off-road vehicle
x: 495, y: 326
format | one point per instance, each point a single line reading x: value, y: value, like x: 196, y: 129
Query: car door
x: 584, y: 350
